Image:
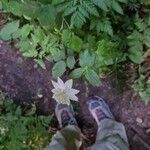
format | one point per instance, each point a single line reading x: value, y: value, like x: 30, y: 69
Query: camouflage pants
x: 111, y: 135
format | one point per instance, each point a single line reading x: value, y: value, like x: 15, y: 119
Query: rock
x: 148, y: 131
x: 139, y: 120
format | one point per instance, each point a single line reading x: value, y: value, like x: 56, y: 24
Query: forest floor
x: 24, y: 82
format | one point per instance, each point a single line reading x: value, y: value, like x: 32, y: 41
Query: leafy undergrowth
x: 142, y: 86
x: 22, y: 128
x: 82, y: 38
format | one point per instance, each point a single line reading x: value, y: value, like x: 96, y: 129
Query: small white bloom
x: 63, y: 92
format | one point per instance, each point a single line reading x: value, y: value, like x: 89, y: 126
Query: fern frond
x: 91, y: 9
x: 140, y: 24
x: 69, y: 11
x: 83, y: 11
x: 101, y: 4
x: 116, y: 7
x: 62, y: 6
x: 77, y: 19
x: 102, y: 25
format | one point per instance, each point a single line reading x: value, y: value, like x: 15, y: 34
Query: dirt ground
x: 25, y: 83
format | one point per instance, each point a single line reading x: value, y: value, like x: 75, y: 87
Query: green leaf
x: 71, y: 62
x: 92, y: 77
x: 1, y: 5
x: 146, y: 38
x: 39, y: 34
x: 28, y: 48
x: 123, y: 1
x: 14, y: 7
x: 65, y: 37
x: 18, y: 111
x: 31, y: 111
x: 71, y: 41
x: 77, y: 19
x: 101, y: 4
x: 86, y: 59
x: 28, y: 6
x: 69, y: 11
x: 31, y: 53
x: 75, y: 43
x: 117, y: 7
x: 76, y: 73
x: 91, y: 9
x: 45, y: 120
x: 25, y: 31
x: 103, y: 25
x: 58, y: 69
x: 135, y: 56
x: 58, y: 55
x: 8, y: 30
x: 40, y: 63
x: 47, y: 15
x: 108, y: 53
x: 92, y: 43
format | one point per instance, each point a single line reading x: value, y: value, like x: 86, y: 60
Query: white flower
x: 63, y: 92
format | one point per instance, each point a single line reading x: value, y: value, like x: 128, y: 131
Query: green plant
x: 81, y: 10
x: 22, y: 129
x: 82, y: 38
x: 139, y: 38
x: 142, y: 87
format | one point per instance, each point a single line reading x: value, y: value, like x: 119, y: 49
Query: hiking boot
x: 99, y: 109
x: 64, y: 114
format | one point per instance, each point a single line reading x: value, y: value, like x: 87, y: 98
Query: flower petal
x: 55, y: 84
x: 69, y: 83
x: 68, y: 102
x: 60, y: 83
x: 73, y: 97
x: 54, y: 90
x: 74, y: 91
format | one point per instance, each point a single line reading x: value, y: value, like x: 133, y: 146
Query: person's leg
x: 111, y: 135
x: 69, y: 137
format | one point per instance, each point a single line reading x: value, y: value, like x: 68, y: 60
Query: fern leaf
x: 140, y: 24
x: 77, y: 19
x: 91, y: 9
x: 83, y: 12
x: 101, y: 4
x: 57, y: 2
x: 61, y: 7
x: 116, y: 6
x: 102, y: 25
x: 69, y: 11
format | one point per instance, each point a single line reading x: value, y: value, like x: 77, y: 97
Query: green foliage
x: 81, y: 10
x: 82, y: 38
x: 139, y: 38
x: 102, y: 25
x: 142, y: 86
x: 92, y: 77
x: 8, y: 31
x: 71, y: 62
x: 22, y: 129
x: 108, y: 53
x: 71, y: 41
x: 76, y: 73
x: 58, y: 69
x: 31, y: 10
x: 86, y: 58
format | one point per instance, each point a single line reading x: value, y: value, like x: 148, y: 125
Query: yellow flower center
x: 62, y: 96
